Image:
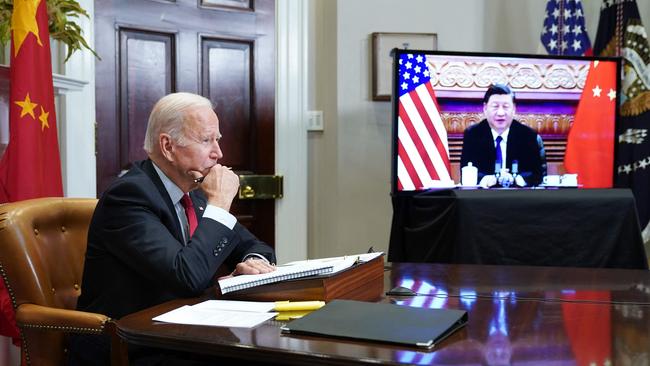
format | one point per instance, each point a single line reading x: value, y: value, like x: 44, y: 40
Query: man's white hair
x: 168, y: 115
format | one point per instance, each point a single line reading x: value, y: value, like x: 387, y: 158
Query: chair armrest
x: 47, y: 318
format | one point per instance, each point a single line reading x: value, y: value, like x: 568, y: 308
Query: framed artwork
x: 382, y: 60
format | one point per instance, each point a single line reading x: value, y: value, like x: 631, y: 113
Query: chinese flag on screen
x: 30, y: 166
x: 590, y: 145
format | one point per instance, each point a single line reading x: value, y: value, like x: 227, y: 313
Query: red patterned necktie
x: 186, y: 202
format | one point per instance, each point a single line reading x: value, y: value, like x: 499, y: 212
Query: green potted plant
x: 62, y: 26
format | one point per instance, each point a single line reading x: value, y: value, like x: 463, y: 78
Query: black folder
x: 380, y: 322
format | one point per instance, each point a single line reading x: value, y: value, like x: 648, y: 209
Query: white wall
x: 349, y: 162
x: 322, y: 146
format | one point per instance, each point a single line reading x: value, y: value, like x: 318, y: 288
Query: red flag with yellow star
x: 31, y: 166
x: 590, y: 144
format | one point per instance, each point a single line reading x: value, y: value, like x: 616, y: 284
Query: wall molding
x: 64, y: 84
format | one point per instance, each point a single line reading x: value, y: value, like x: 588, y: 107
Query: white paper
x: 253, y: 306
x: 439, y: 184
x: 340, y: 263
x: 214, y: 317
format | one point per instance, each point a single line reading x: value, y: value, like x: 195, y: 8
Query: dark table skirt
x: 560, y: 227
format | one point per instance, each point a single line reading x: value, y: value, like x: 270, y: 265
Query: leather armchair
x: 41, y: 260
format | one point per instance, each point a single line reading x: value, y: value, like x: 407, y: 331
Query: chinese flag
x: 31, y: 166
x: 590, y: 145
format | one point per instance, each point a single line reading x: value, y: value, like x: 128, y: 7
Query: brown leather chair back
x: 43, y: 245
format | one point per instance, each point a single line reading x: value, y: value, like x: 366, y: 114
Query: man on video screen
x: 498, y: 141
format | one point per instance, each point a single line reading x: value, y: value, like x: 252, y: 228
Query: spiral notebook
x: 282, y: 273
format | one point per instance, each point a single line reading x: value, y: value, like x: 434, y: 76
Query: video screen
x: 539, y: 121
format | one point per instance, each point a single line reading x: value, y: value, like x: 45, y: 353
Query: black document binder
x: 380, y: 322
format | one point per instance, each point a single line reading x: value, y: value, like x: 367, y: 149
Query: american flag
x: 423, y: 151
x: 564, y: 31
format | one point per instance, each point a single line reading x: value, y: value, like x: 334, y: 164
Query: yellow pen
x: 298, y: 305
x: 290, y: 315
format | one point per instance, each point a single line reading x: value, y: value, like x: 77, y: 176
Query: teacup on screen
x: 551, y: 180
x: 570, y: 180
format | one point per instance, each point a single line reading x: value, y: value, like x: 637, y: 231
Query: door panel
x: 238, y: 4
x: 223, y: 49
x: 227, y: 83
x: 146, y: 75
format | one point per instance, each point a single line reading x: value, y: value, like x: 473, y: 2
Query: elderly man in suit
x: 163, y: 229
x: 504, y: 150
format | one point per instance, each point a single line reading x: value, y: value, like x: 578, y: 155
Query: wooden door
x: 222, y: 49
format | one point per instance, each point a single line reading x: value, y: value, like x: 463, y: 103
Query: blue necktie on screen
x: 498, y: 163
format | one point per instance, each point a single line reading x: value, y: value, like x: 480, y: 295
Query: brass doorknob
x: 247, y: 192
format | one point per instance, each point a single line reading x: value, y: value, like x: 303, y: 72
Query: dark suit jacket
x: 524, y: 145
x: 136, y: 257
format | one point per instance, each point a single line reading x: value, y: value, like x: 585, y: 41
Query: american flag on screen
x: 423, y: 151
x: 564, y: 31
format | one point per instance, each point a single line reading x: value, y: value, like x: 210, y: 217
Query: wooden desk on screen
x: 552, y: 227
x: 516, y: 314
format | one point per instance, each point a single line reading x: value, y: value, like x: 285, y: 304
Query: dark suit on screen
x: 136, y: 255
x: 524, y: 145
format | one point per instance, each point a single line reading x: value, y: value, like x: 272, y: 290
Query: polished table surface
x: 544, y: 227
x: 517, y: 314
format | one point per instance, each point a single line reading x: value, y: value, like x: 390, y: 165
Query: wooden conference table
x: 517, y: 314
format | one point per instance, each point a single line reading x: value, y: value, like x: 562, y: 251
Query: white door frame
x: 290, y: 128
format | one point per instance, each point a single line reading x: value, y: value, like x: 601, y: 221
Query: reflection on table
x: 517, y: 314
x: 531, y: 316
